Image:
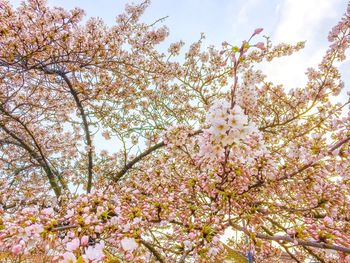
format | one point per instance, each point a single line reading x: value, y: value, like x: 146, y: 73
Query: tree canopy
x: 211, y: 158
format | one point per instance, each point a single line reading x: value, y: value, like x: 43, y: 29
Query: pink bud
x: 336, y: 152
x: 328, y: 221
x: 16, y: 249
x: 260, y: 45
x: 291, y: 231
x: 257, y: 31
x: 216, y: 239
x: 84, y: 241
x: 98, y: 229
x: 192, y: 235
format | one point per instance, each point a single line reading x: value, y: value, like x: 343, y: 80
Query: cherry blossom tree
x: 212, y: 161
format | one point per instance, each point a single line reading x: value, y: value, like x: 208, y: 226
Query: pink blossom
x: 137, y: 220
x: 98, y: 229
x: 114, y: 220
x: 216, y: 239
x: 70, y: 213
x: 34, y: 230
x: 291, y: 231
x: 260, y: 45
x: 73, y: 245
x: 94, y: 253
x: 68, y: 257
x: 84, y: 241
x: 100, y: 210
x: 213, y: 251
x: 16, y: 249
x: 129, y: 244
x: 48, y: 211
x: 328, y: 221
x: 192, y: 235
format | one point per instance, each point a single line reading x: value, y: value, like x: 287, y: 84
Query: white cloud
x: 302, y: 20
x: 244, y: 11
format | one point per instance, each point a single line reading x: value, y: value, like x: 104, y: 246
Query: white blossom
x: 129, y: 244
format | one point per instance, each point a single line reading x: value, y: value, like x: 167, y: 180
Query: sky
x: 233, y: 21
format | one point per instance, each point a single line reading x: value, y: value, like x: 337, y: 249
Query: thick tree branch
x: 84, y: 119
x: 37, y: 146
x: 314, y: 102
x: 307, y: 249
x: 138, y: 158
x: 86, y: 129
x: 52, y: 179
x: 284, y: 246
x: 312, y: 163
x: 303, y: 168
x: 298, y: 242
x: 149, y: 246
x: 62, y: 228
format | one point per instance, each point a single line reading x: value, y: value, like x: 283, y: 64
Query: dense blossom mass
x: 212, y: 161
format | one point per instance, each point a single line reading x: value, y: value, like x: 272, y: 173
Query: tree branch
x: 301, y: 169
x: 284, y: 246
x: 61, y: 228
x: 274, y: 223
x: 149, y: 246
x: 83, y: 116
x: 138, y: 158
x: 52, y: 179
x: 300, y: 242
x: 86, y: 128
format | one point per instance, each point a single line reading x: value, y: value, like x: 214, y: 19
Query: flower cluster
x: 247, y: 95
x: 81, y: 232
x: 177, y: 136
x: 228, y: 126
